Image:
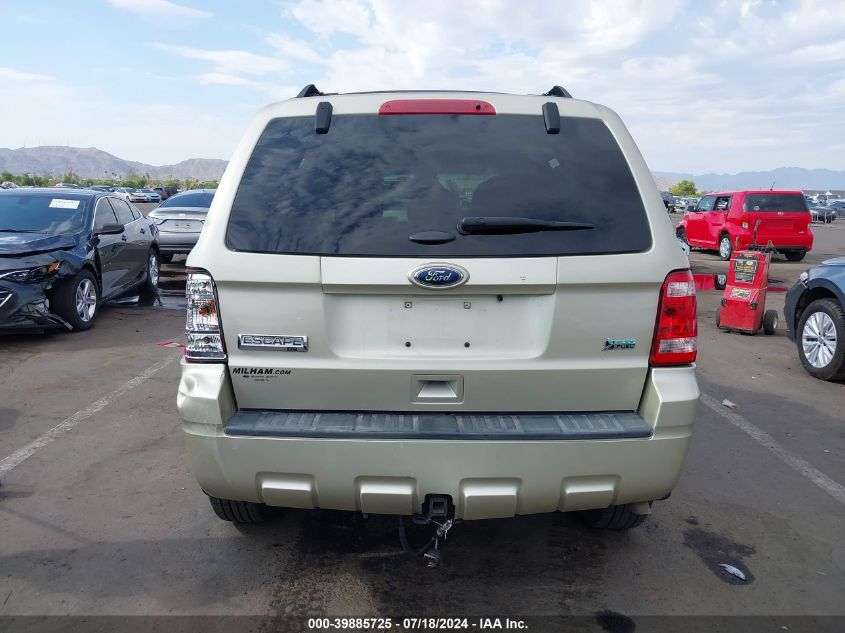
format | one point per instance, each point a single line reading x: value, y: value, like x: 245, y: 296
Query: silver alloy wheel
x: 86, y: 300
x: 725, y: 247
x: 818, y: 339
x: 153, y: 269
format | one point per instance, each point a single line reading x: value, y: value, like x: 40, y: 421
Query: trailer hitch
x: 436, y: 508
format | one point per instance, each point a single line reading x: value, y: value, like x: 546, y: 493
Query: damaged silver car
x: 62, y: 253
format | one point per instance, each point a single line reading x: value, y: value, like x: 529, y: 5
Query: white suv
x: 416, y: 303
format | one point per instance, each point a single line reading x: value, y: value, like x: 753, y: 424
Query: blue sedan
x: 815, y: 319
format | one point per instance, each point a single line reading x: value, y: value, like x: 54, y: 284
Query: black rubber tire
x: 730, y: 247
x: 770, y: 322
x: 681, y: 234
x: 835, y: 369
x: 63, y: 300
x: 239, y: 511
x: 613, y: 518
x: 166, y: 258
x: 795, y: 256
x: 149, y: 286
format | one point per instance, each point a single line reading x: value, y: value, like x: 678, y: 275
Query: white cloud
x: 10, y: 74
x: 160, y: 9
x: 618, y: 24
x: 333, y: 16
x: 222, y: 79
x: 293, y: 49
x: 719, y: 86
x: 819, y: 53
x: 228, y: 62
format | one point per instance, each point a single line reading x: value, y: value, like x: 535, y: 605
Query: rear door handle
x: 123, y: 238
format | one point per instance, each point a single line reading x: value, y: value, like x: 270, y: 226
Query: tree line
x: 135, y: 181
x: 684, y: 189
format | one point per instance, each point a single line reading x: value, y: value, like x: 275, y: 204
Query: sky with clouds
x: 704, y: 86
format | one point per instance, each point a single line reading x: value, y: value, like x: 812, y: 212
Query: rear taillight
x: 676, y: 335
x: 204, y: 338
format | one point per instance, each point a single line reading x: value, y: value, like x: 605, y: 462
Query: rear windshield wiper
x: 494, y: 225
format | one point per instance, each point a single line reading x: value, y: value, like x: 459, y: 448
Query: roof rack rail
x: 309, y: 91
x: 558, y: 91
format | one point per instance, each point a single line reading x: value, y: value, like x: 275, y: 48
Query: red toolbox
x: 744, y: 301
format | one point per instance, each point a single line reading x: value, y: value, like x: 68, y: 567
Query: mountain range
x: 90, y: 162
x: 780, y: 178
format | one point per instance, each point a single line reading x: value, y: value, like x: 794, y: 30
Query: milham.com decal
x: 259, y: 374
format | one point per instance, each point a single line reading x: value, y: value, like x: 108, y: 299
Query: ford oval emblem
x: 438, y: 276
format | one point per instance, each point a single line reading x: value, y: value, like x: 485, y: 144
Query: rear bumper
x: 176, y: 242
x: 486, y: 478
x: 783, y: 244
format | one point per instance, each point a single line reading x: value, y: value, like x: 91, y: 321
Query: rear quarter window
x: 122, y: 211
x: 373, y: 181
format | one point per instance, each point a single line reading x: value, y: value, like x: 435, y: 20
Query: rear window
x: 373, y: 181
x: 775, y: 202
x: 200, y: 199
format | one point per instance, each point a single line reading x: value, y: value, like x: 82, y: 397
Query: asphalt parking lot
x: 104, y: 516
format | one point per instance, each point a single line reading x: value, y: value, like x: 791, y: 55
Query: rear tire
x: 150, y: 285
x: 244, y: 512
x: 825, y: 317
x: 795, y: 256
x: 77, y: 300
x: 725, y: 247
x: 613, y: 518
x: 770, y: 322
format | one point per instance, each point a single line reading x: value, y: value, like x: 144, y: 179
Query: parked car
x: 822, y: 215
x: 66, y: 185
x: 123, y: 192
x: 414, y: 323
x: 721, y: 221
x: 838, y: 206
x: 98, y: 188
x: 8, y: 184
x: 814, y: 311
x: 180, y: 219
x: 166, y: 192
x: 668, y: 201
x: 63, y: 253
x: 130, y: 194
x: 150, y: 195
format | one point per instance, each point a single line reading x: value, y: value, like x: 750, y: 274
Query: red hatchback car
x: 725, y: 221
